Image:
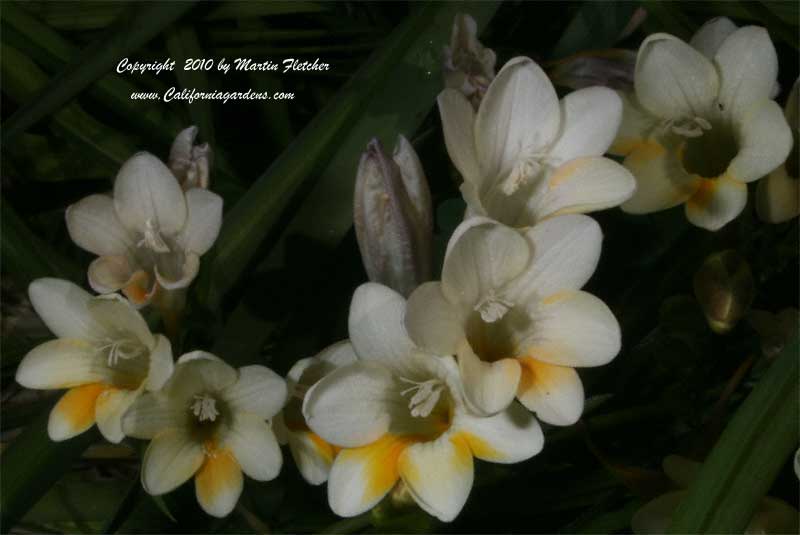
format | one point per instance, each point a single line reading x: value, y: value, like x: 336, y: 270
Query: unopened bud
x: 611, y: 67
x: 190, y: 163
x: 724, y: 288
x: 774, y: 330
x: 468, y: 65
x: 392, y: 216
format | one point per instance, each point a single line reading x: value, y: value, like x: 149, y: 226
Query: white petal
x: 74, y: 412
x: 218, y: 483
x: 458, y: 123
x: 312, y: 455
x: 416, y: 186
x: 777, y: 197
x: 674, y: 80
x: 572, y: 328
x: 111, y: 404
x: 361, y: 477
x: 338, y: 354
x: 661, y: 181
x: 350, y: 407
x: 716, y: 203
x: 432, y: 322
x: 150, y: 414
x: 108, y: 274
x: 161, y: 364
x: 519, y: 113
x: 710, y: 36
x: 203, y: 220
x: 376, y: 323
x: 145, y: 189
x: 748, y: 68
x: 439, y: 475
x: 764, y: 140
x: 199, y: 371
x: 566, y: 250
x: 636, y: 127
x: 171, y: 458
x: 62, y: 307
x: 554, y: 393
x: 118, y: 316
x: 489, y: 386
x: 254, y: 445
x: 93, y: 225
x: 258, y: 390
x: 62, y: 363
x: 584, y: 185
x: 482, y: 257
x: 656, y: 515
x: 510, y: 436
x: 590, y: 118
x: 176, y: 271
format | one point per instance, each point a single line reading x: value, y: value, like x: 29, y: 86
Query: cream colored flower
x: 190, y: 163
x: 211, y: 422
x: 778, y: 195
x: 312, y: 455
x: 772, y: 515
x: 105, y: 356
x: 149, y: 235
x: 399, y: 415
x: 701, y: 123
x: 509, y: 307
x: 525, y: 157
x: 468, y: 65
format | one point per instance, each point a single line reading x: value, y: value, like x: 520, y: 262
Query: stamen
x: 493, y: 307
x: 205, y: 407
x: 117, y: 350
x: 426, y: 395
x: 524, y: 170
x: 152, y: 238
x: 688, y: 127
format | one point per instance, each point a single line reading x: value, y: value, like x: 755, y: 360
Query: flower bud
x: 611, y: 67
x: 392, y: 216
x: 774, y: 330
x: 468, y: 65
x: 724, y: 287
x: 190, y: 163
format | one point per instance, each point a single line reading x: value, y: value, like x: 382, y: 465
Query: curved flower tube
x: 105, y: 356
x: 525, y: 156
x: 399, y: 416
x: 210, y: 422
x: 149, y: 235
x: 509, y: 307
x: 701, y: 123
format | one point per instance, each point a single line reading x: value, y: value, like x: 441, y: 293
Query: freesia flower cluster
x: 434, y: 374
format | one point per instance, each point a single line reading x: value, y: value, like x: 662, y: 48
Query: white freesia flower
x: 778, y: 195
x: 209, y: 421
x: 772, y: 515
x: 701, y: 124
x: 468, y: 65
x: 105, y: 355
x: 150, y: 235
x: 312, y: 455
x: 400, y: 416
x: 525, y: 157
x: 190, y: 163
x: 509, y: 307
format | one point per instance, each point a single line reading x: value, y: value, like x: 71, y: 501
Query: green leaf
x: 126, y: 35
x: 748, y: 456
x: 31, y: 464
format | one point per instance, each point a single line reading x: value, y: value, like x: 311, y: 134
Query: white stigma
x: 152, y: 238
x: 117, y: 351
x: 493, y: 307
x: 426, y: 395
x: 524, y: 170
x: 689, y: 126
x: 205, y: 407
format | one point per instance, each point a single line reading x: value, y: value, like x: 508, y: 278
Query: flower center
x: 152, y: 238
x: 688, y: 126
x: 120, y: 350
x: 492, y: 307
x: 425, y: 396
x: 204, y: 408
x: 527, y: 168
x: 707, y: 146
